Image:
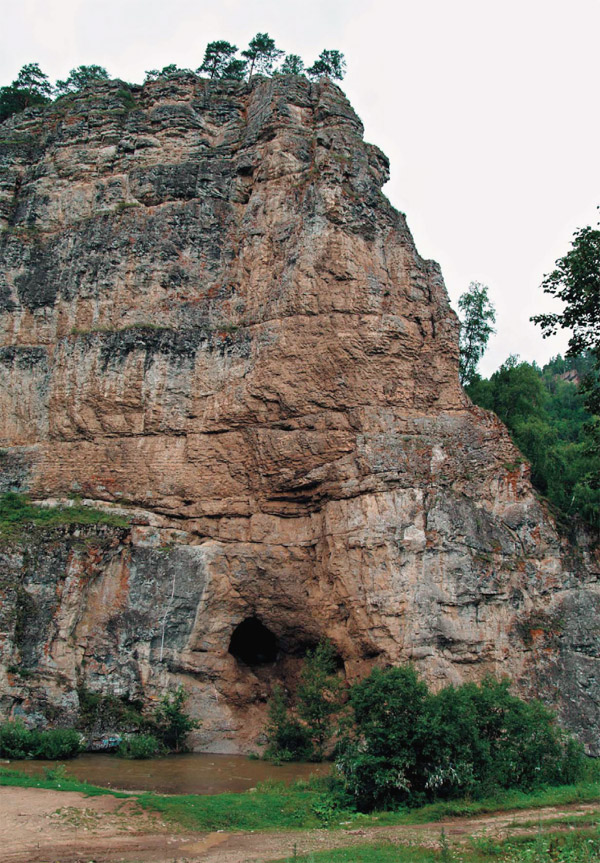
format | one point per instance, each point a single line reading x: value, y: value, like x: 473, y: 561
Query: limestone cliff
x: 212, y: 318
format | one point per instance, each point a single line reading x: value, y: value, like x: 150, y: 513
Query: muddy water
x: 176, y: 774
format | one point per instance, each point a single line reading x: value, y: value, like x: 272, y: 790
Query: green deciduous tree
x: 171, y: 724
x: 576, y: 282
x: 139, y: 746
x: 379, y: 755
x: 318, y: 696
x: 306, y: 733
x: 478, y: 315
x: 492, y: 739
x: 287, y: 738
x: 81, y: 77
x: 262, y: 54
x: 218, y: 59
x: 518, y: 392
x: 330, y: 64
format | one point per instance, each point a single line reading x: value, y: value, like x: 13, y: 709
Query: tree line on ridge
x: 32, y: 87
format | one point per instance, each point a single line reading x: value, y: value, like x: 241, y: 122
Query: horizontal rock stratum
x: 213, y: 319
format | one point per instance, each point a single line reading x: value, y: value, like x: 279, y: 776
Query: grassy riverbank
x: 55, y: 780
x: 304, y: 805
x: 553, y: 825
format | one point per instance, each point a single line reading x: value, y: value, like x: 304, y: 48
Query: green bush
x: 287, y: 738
x: 136, y: 746
x: 171, y: 724
x: 494, y: 740
x: 318, y: 696
x: 306, y: 736
x: 406, y: 745
x: 58, y: 743
x: 99, y: 712
x: 168, y: 726
x: 17, y: 741
x: 380, y: 756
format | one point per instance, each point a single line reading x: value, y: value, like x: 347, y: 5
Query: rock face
x: 212, y: 318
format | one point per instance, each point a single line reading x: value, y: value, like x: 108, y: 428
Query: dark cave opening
x: 252, y: 643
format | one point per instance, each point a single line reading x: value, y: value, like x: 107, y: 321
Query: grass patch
x: 16, y: 512
x: 381, y: 852
x: 589, y: 820
x: 301, y: 806
x: 561, y: 795
x: 55, y: 780
x: 551, y: 847
x: 266, y: 810
x: 544, y: 847
x: 289, y: 808
x: 126, y: 205
x: 581, y: 846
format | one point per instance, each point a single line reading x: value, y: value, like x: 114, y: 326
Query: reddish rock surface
x: 212, y: 318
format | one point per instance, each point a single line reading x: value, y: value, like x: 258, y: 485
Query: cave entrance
x: 252, y: 643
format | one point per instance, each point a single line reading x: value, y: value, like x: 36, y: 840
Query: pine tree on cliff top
x: 218, y: 59
x: 262, y: 54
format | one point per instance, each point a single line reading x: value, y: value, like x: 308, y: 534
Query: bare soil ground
x: 42, y: 826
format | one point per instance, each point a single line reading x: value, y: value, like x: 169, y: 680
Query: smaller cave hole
x: 252, y: 643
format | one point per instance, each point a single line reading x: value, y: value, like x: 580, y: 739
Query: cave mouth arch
x: 252, y: 643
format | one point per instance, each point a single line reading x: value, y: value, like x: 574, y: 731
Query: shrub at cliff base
x: 104, y: 713
x: 406, y: 745
x: 17, y: 741
x: 306, y: 737
x: 171, y: 724
x: 319, y: 696
x: 165, y: 731
x: 139, y: 746
x: 288, y: 739
x: 145, y: 735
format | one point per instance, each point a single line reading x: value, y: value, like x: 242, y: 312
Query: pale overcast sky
x: 488, y: 111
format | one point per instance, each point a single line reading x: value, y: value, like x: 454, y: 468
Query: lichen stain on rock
x: 211, y: 315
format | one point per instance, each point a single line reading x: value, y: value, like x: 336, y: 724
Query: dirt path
x: 41, y: 826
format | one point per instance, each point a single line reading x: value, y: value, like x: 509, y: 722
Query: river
x: 175, y: 774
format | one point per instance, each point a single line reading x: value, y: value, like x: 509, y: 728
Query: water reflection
x: 176, y: 774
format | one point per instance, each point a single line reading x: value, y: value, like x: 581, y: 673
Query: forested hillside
x: 545, y: 412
